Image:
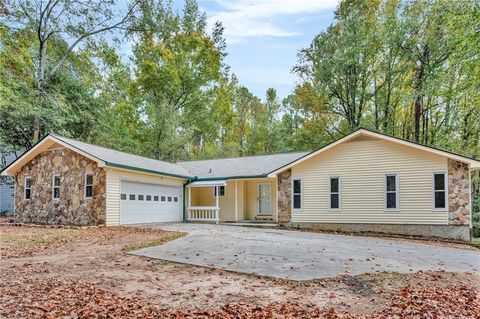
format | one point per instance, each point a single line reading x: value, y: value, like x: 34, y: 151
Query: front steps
x: 264, y: 218
x: 266, y: 221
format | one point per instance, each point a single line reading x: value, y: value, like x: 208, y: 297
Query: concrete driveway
x: 301, y: 255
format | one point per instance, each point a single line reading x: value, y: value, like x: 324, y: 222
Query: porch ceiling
x: 220, y: 182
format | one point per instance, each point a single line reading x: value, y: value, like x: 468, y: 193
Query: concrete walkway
x: 302, y: 255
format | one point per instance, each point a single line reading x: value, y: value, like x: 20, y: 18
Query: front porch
x: 233, y: 200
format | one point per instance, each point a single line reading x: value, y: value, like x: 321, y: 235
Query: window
x: 149, y: 197
x: 123, y: 196
x: 221, y: 190
x: 28, y: 188
x: 439, y: 190
x: 334, y: 191
x: 56, y: 187
x: 88, y: 185
x: 175, y: 199
x: 162, y: 198
x: 391, y: 191
x: 155, y: 198
x: 140, y: 197
x: 132, y: 197
x: 297, y: 193
x: 169, y: 198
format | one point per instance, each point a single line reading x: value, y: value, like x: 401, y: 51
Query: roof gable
x: 102, y: 156
x: 43, y: 145
x: 362, y: 134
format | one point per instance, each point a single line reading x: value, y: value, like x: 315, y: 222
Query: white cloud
x: 247, y: 18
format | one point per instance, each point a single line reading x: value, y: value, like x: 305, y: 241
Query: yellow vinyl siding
x: 205, y: 196
x: 251, y: 204
x: 362, y: 166
x: 246, y: 198
x: 114, y: 178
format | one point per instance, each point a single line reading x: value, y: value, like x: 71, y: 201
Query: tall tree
x: 178, y: 70
x: 72, y: 22
x: 339, y: 61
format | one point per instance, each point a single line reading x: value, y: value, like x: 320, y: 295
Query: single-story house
x: 364, y: 181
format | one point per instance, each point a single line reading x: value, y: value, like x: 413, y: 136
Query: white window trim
x: 339, y: 194
x: 397, y: 192
x: 224, y: 191
x: 53, y: 187
x: 446, y: 191
x: 85, y: 185
x: 25, y: 188
x: 301, y: 194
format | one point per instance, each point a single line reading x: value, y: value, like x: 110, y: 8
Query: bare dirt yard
x: 86, y: 273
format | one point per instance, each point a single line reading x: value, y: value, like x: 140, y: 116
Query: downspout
x: 184, y: 209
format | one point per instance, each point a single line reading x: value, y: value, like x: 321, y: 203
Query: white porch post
x: 217, y: 204
x: 236, y: 201
x: 189, y: 203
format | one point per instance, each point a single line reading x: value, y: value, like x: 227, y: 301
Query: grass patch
x: 37, y: 237
x: 476, y: 240
x: 168, y: 237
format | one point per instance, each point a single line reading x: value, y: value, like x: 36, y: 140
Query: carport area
x: 299, y: 255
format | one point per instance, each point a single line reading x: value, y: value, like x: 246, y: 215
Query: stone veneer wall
x: 458, y: 193
x: 284, y: 196
x: 72, y: 208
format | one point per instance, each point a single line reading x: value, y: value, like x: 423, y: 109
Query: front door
x: 264, y: 198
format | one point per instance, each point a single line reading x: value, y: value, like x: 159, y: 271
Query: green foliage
x: 405, y: 68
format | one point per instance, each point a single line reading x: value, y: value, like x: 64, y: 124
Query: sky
x: 264, y: 37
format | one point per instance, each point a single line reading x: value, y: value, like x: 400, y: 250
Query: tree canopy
x: 409, y: 69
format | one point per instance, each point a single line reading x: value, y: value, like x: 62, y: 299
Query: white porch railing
x: 203, y: 213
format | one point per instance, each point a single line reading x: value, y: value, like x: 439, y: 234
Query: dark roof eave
x: 231, y: 177
x: 144, y: 170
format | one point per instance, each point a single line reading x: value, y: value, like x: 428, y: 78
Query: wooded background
x: 406, y: 68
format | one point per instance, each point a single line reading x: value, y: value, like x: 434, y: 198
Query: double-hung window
x: 56, y: 187
x: 28, y: 188
x: 88, y: 185
x: 297, y: 189
x: 334, y: 193
x: 391, y: 192
x: 439, y: 190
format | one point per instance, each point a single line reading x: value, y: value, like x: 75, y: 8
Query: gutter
x: 229, y: 177
x: 132, y: 168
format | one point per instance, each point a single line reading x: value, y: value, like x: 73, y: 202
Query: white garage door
x: 149, y: 203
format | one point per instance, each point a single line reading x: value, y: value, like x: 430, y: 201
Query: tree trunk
x: 419, y: 78
x: 418, y: 104
x: 42, y: 54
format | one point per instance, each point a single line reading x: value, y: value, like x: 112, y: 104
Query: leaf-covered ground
x: 83, y: 273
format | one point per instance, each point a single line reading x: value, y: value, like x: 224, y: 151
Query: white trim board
x: 40, y: 147
x: 471, y: 162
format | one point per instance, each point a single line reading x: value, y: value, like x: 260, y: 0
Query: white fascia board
x: 40, y: 147
x: 474, y: 164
